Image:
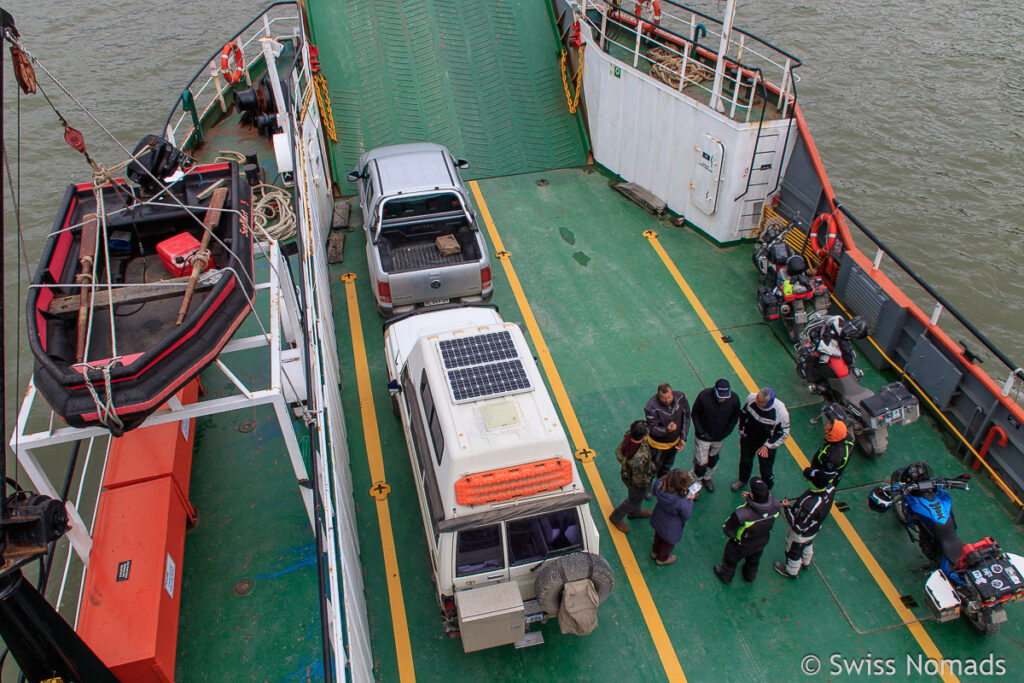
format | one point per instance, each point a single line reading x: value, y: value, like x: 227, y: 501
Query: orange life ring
x: 830, y: 236
x: 230, y: 52
x: 655, y: 15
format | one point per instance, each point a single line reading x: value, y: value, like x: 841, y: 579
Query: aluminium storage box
x: 491, y: 615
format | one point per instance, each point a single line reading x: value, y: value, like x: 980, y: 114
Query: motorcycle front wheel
x: 981, y: 621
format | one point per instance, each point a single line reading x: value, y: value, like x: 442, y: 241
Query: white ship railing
x: 750, y: 62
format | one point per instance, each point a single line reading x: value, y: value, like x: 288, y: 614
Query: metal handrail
x: 612, y: 12
x: 1014, y: 368
x: 291, y: 20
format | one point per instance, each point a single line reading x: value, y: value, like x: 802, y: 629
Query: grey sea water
x: 917, y: 113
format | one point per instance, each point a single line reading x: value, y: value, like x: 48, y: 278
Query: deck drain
x: 542, y: 182
x: 908, y: 601
x: 244, y: 587
x: 841, y: 506
x: 247, y: 427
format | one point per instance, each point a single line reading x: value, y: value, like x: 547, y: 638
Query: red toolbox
x: 132, y: 593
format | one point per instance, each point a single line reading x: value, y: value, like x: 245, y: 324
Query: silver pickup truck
x: 423, y: 246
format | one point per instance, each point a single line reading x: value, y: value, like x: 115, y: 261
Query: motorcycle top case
x: 995, y: 579
x: 892, y: 404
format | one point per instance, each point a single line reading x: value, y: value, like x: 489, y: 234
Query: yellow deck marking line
x: 380, y: 489
x: 662, y: 643
x: 916, y: 629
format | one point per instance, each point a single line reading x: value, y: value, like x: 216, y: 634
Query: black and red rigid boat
x: 109, y: 325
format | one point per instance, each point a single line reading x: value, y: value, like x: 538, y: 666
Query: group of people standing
x: 648, y: 452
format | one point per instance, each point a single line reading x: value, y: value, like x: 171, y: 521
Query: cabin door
x: 707, y: 173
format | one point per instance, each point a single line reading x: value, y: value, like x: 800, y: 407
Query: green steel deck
x: 484, y: 81
x: 617, y: 324
x: 249, y: 608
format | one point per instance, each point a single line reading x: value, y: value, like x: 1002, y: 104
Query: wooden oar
x: 86, y: 251
x: 202, y: 256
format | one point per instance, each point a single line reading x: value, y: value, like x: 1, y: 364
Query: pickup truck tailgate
x: 441, y: 282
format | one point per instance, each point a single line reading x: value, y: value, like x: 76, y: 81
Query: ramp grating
x: 480, y: 77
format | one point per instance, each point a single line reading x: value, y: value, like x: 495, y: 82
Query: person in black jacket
x: 748, y: 528
x: 715, y: 413
x: 764, y: 426
x: 668, y: 421
x: 834, y: 454
x: 804, y: 517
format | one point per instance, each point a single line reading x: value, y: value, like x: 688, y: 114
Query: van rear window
x: 543, y: 536
x: 479, y: 550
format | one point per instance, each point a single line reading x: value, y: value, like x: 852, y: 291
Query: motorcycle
x: 826, y: 360
x: 975, y: 580
x: 788, y: 290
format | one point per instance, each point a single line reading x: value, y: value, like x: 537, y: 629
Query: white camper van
x: 506, y: 516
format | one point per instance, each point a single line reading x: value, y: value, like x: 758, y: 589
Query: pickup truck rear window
x: 423, y: 205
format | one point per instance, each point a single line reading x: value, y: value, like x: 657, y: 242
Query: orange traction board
x: 518, y: 481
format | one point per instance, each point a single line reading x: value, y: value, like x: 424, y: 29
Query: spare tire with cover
x: 572, y: 587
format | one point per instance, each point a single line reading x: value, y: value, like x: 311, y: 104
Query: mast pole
x: 723, y: 48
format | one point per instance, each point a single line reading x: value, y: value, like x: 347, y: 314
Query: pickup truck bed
x: 408, y: 246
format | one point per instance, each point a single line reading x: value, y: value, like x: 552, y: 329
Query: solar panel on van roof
x: 483, y: 365
x: 482, y: 348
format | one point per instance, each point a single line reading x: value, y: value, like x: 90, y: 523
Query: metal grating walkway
x: 480, y: 77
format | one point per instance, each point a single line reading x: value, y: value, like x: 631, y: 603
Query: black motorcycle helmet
x: 880, y: 499
x: 854, y: 328
x: 796, y: 265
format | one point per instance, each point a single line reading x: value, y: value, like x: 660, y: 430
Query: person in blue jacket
x: 673, y: 507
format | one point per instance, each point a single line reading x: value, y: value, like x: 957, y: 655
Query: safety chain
x: 323, y: 98
x: 572, y: 100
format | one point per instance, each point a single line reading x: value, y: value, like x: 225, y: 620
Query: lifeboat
x: 108, y: 324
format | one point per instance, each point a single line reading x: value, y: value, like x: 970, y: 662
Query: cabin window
x: 536, y: 538
x: 422, y: 451
x: 429, y: 411
x: 479, y: 550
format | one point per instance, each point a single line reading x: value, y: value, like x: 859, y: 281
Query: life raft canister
x: 232, y: 52
x: 830, y: 236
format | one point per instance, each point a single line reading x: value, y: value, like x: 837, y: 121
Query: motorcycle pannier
x: 893, y: 404
x: 768, y: 303
x: 995, y: 579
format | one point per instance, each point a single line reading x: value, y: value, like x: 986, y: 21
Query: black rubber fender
x: 556, y: 573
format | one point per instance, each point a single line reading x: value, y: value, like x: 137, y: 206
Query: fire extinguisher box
x: 157, y: 451
x: 132, y: 593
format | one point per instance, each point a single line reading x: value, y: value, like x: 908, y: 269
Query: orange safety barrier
x: 509, y: 483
